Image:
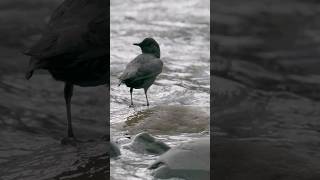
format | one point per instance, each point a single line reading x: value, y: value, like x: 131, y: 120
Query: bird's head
x: 149, y: 46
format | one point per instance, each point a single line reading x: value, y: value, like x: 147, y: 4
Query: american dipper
x: 142, y: 71
x: 74, y: 48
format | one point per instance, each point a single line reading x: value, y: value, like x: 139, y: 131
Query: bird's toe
x: 105, y: 138
x: 69, y: 141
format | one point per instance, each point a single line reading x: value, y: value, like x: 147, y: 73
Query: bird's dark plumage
x: 74, y: 47
x: 144, y: 69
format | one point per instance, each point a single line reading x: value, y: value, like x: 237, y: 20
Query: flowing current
x: 182, y: 29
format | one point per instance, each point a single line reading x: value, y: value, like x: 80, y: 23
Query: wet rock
x: 189, y: 161
x: 145, y: 143
x: 114, y: 150
x: 235, y: 159
x: 168, y: 120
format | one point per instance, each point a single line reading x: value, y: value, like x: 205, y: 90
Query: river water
x: 32, y: 112
x: 182, y: 29
x: 266, y: 90
x: 266, y: 77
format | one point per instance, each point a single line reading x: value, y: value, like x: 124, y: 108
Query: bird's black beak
x: 136, y: 44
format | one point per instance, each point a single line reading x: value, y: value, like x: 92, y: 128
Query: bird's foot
x: 69, y: 141
x: 146, y: 105
x: 131, y: 106
x: 105, y: 138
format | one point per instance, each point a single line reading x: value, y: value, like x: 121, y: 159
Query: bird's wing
x: 130, y: 70
x: 142, y: 67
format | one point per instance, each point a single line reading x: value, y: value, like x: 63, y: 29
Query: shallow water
x: 33, y: 121
x: 267, y: 89
x: 32, y: 112
x: 182, y: 30
x: 272, y: 94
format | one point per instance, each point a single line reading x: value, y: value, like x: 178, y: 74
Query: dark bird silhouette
x: 74, y: 47
x: 142, y: 71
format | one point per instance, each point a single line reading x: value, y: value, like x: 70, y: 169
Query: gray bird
x: 142, y: 71
x: 74, y: 48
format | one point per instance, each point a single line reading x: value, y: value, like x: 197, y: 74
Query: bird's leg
x: 68, y: 90
x: 145, y: 92
x: 131, y: 89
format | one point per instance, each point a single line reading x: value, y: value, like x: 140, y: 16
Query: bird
x: 143, y: 70
x: 74, y: 48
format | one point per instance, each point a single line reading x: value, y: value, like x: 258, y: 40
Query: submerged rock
x: 190, y: 161
x: 114, y: 150
x: 168, y: 120
x: 145, y: 143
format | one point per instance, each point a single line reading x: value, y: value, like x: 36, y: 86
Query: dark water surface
x: 267, y: 89
x: 32, y: 113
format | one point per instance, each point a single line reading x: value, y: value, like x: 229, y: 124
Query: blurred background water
x: 182, y: 29
x: 32, y: 113
x: 266, y: 87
